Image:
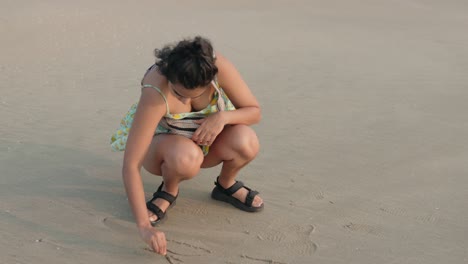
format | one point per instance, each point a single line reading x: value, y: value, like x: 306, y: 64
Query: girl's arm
x: 248, y: 110
x: 150, y: 110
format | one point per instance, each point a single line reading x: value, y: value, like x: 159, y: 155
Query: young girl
x: 194, y: 112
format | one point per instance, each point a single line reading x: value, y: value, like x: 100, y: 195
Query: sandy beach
x: 364, y: 143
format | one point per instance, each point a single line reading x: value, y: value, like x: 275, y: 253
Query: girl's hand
x: 209, y: 129
x: 155, y: 239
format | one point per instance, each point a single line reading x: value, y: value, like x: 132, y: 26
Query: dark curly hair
x: 190, y: 62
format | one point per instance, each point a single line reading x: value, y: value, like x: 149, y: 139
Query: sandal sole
x: 216, y: 194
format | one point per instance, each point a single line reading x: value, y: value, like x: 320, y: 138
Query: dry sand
x: 364, y: 132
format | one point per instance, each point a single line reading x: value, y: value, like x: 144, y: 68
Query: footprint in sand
x: 364, y: 228
x: 193, y: 208
x: 427, y: 218
x: 296, y: 239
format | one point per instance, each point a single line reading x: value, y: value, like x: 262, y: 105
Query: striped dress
x: 176, y: 124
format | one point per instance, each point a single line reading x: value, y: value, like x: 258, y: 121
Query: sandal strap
x: 155, y: 210
x: 229, y: 191
x: 163, y: 195
x: 160, y: 187
x: 250, y: 198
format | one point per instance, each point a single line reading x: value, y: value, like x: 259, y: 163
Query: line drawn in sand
x: 270, y: 261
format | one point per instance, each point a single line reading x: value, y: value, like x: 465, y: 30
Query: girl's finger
x: 201, y: 137
x: 196, y: 135
x: 199, y: 121
x: 163, y: 244
x: 155, y: 246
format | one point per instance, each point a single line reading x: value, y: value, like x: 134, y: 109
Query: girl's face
x: 186, y: 95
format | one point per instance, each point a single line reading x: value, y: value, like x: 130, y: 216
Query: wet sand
x: 363, y: 136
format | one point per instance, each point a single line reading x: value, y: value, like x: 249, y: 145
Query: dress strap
x: 221, y: 104
x: 159, y: 91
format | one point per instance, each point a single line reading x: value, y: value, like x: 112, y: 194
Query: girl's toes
x: 152, y: 217
x: 257, y: 202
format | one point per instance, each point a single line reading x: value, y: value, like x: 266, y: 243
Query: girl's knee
x: 185, y: 162
x: 246, y: 142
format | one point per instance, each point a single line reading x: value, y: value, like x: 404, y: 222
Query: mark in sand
x: 296, y: 238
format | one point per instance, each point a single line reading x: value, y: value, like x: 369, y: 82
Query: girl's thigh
x: 170, y: 148
x: 233, y: 142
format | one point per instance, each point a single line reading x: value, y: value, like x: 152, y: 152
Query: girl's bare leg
x: 175, y: 158
x: 235, y: 147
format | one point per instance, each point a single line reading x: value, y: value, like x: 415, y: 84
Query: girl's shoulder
x: 155, y: 78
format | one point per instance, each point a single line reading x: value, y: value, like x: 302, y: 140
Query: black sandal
x: 155, y: 209
x: 225, y: 195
